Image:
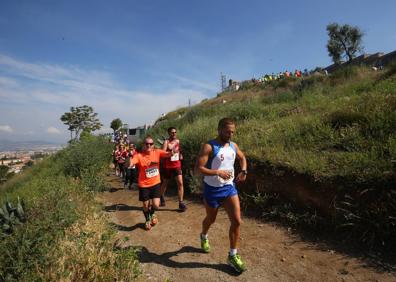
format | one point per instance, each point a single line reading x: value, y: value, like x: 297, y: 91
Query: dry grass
x: 88, y: 252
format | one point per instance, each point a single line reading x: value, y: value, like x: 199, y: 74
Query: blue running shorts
x: 215, y: 196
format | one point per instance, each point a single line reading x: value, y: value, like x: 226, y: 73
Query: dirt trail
x: 171, y: 250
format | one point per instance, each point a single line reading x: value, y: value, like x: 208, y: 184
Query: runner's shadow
x: 145, y: 256
x: 121, y: 207
x: 129, y: 228
x: 172, y: 210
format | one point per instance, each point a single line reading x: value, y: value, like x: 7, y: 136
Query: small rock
x: 344, y: 271
x: 303, y: 256
x: 283, y: 259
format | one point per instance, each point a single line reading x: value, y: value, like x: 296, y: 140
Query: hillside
x: 321, y: 154
x: 324, y: 143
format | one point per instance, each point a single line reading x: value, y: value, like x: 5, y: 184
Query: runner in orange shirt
x: 149, y: 181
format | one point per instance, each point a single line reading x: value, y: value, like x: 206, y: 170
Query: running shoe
x: 182, y: 207
x: 154, y: 219
x: 205, y: 245
x: 236, y: 262
x: 147, y: 225
x: 162, y: 201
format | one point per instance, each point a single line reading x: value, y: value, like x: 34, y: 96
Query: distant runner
x: 172, y: 167
x: 149, y: 180
x: 216, y: 162
x: 129, y: 170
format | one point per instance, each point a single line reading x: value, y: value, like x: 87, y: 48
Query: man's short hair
x: 224, y: 122
x: 171, y: 128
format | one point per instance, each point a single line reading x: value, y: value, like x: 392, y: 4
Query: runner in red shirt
x: 172, y: 167
x: 149, y: 180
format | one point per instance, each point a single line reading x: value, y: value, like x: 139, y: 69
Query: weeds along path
x: 171, y: 250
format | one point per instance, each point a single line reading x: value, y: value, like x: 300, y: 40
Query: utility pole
x: 189, y: 102
x: 223, y: 82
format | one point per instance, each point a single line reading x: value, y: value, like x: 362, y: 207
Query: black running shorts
x: 148, y: 193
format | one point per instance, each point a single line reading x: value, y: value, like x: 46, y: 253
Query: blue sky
x: 138, y: 59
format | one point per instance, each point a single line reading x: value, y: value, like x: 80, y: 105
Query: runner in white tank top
x: 223, y: 159
x: 216, y: 162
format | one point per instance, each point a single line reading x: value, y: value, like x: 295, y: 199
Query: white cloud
x: 7, y: 82
x: 53, y: 130
x: 41, y: 93
x: 6, y: 128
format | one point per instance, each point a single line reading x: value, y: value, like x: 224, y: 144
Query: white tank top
x: 223, y: 157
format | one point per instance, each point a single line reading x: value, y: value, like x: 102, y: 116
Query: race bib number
x: 222, y: 180
x: 151, y: 172
x: 175, y: 157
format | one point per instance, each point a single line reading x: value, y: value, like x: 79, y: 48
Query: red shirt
x: 174, y: 161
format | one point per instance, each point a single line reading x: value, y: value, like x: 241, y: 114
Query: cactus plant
x: 11, y: 216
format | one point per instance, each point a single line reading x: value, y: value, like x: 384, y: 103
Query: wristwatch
x: 244, y: 171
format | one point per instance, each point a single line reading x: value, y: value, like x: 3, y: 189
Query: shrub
x: 345, y: 73
x: 340, y: 119
x: 368, y: 216
x: 57, y: 204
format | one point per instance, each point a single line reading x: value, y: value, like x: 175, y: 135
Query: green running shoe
x: 154, y: 219
x: 205, y: 245
x: 237, y: 263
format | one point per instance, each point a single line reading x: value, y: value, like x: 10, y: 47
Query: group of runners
x: 215, y: 162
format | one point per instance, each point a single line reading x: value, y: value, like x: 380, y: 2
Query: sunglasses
x: 149, y: 144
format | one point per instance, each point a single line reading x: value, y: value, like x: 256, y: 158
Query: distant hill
x: 8, y: 145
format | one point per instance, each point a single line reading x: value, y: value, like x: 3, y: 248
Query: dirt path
x: 171, y: 250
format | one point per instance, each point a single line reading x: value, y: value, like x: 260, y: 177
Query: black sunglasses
x: 149, y: 144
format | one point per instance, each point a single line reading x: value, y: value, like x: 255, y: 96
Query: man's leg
x: 232, y: 207
x: 155, y: 203
x: 211, y: 214
x: 146, y: 212
x: 180, y: 191
x: 180, y: 187
x: 155, y: 194
x: 210, y: 218
x: 127, y: 177
x: 164, y: 185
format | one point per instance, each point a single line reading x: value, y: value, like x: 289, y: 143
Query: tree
x: 344, y: 41
x: 81, y: 119
x: 116, y: 124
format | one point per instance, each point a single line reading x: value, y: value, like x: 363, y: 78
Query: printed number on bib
x: 151, y: 172
x: 175, y: 157
x: 222, y: 180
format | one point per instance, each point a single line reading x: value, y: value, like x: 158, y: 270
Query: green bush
x: 368, y: 216
x: 340, y: 119
x: 345, y: 73
x: 55, y: 194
